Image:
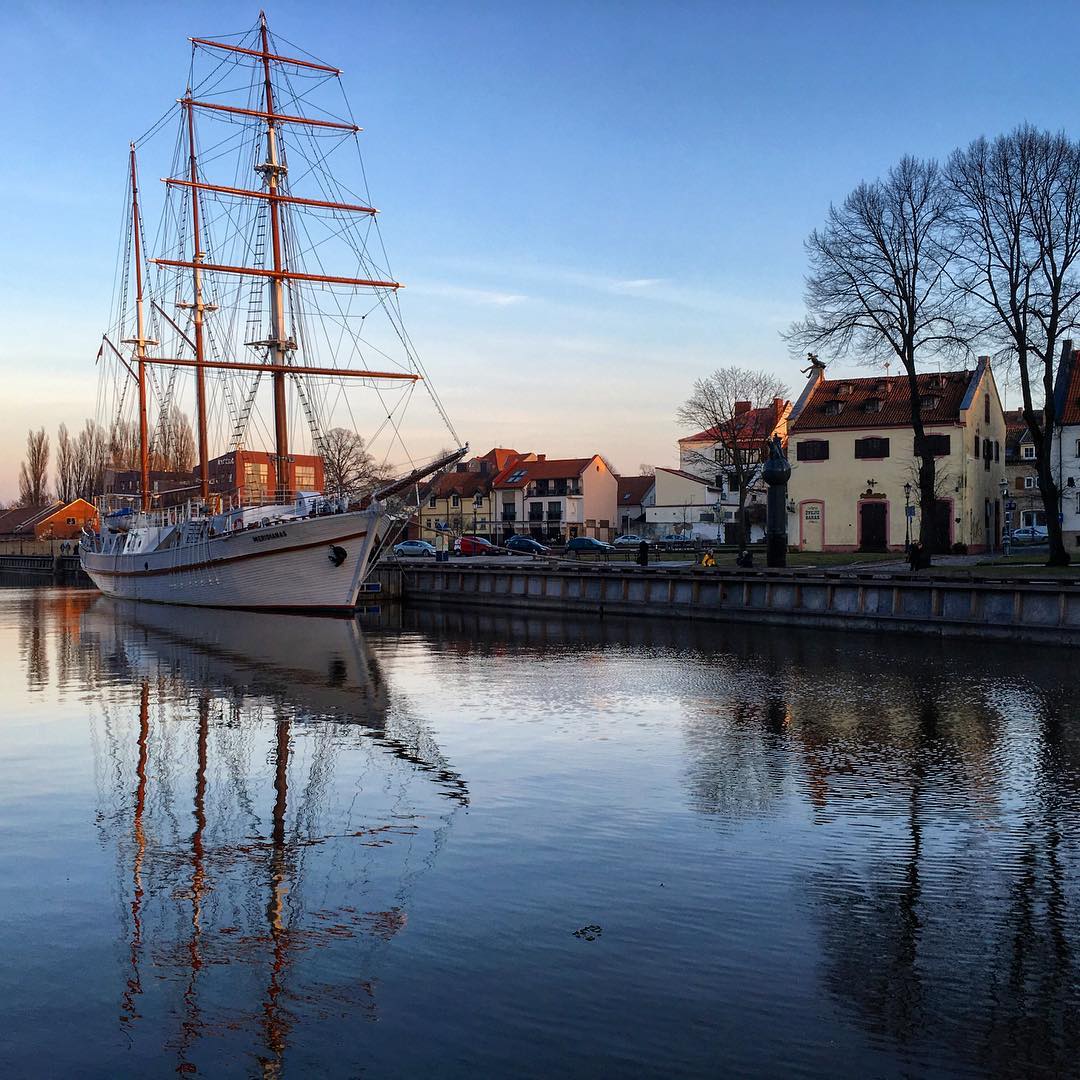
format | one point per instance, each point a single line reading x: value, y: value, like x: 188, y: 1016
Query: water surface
x: 465, y: 844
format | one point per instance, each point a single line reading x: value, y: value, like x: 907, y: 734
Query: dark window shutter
x: 812, y: 450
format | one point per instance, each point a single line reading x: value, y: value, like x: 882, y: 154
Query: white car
x: 629, y: 540
x: 1030, y: 534
x: 414, y: 547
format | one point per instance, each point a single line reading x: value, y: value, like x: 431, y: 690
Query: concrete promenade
x: 870, y: 599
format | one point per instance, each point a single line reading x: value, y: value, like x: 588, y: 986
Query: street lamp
x: 907, y: 514
x: 1006, y: 517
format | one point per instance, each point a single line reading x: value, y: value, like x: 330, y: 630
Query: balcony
x: 554, y: 516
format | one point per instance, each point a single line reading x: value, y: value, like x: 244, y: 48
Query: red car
x: 473, y: 545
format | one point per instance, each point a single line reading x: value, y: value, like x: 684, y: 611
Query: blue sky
x: 591, y: 203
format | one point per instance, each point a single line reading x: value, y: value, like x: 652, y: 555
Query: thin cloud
x: 485, y: 297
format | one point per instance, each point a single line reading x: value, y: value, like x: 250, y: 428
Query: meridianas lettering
x: 269, y: 536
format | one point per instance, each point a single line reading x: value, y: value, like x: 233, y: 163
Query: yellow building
x: 462, y: 502
x: 854, y: 471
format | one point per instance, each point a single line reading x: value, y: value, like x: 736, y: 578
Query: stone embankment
x: 1046, y: 611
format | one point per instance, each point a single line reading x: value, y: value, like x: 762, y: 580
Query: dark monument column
x: 776, y: 474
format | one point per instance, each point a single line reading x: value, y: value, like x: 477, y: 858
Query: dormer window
x: 846, y: 389
x: 929, y: 401
x: 833, y: 408
x: 873, y: 405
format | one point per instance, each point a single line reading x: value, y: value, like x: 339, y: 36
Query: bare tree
x: 878, y: 285
x: 91, y: 457
x: 721, y: 406
x: 1018, y: 241
x: 609, y: 465
x: 124, y: 444
x: 174, y: 442
x: 347, y: 466
x: 646, y: 470
x: 34, y: 471
x: 65, y: 466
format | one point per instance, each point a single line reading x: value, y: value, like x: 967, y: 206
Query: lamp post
x: 1006, y: 539
x: 907, y: 515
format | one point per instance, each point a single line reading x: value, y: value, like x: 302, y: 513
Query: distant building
x: 1065, y: 452
x: 250, y: 476
x: 166, y: 488
x: 462, y: 502
x: 852, y: 451
x: 688, y: 505
x: 54, y: 521
x: 636, y: 494
x: 1021, y: 474
x: 701, y: 497
x: 559, y: 498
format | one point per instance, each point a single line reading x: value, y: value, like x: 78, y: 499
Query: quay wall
x: 1040, y: 611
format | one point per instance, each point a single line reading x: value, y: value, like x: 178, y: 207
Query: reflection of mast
x: 275, y: 1026
x: 198, y: 873
x: 134, y: 984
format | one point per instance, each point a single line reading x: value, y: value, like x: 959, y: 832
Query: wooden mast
x: 197, y: 258
x: 272, y: 170
x: 140, y: 342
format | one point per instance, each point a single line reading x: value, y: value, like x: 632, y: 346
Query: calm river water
x: 462, y: 844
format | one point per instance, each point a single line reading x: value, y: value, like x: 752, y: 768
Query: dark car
x: 474, y: 545
x: 526, y: 545
x: 586, y: 544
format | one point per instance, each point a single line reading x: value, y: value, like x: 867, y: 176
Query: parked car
x: 414, y: 547
x: 473, y: 545
x: 1031, y: 534
x: 525, y: 545
x: 586, y: 544
x: 629, y: 540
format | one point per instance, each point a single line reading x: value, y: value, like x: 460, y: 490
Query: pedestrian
x: 643, y: 553
x: 914, y: 555
x: 745, y: 560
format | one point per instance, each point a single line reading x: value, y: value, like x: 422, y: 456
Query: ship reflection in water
x: 243, y: 845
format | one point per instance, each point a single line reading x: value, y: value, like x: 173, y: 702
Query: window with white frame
x: 722, y: 455
x: 1027, y: 452
x: 1078, y: 447
x: 1031, y: 482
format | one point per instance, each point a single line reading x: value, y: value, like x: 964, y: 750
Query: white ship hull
x: 283, y: 566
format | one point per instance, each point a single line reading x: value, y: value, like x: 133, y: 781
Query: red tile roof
x: 542, y: 469
x: 754, y: 426
x: 1070, y: 407
x: 499, y: 457
x: 632, y: 489
x: 947, y: 388
x: 463, y: 484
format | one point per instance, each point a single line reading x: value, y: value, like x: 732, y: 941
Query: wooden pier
x: 1045, y: 611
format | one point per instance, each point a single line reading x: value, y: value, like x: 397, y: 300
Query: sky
x: 592, y: 204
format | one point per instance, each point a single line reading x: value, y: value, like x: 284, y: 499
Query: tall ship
x: 264, y: 298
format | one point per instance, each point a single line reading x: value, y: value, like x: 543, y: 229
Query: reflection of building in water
x: 272, y: 807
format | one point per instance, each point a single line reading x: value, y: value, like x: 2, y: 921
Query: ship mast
x: 140, y: 341
x: 198, y: 309
x: 272, y: 170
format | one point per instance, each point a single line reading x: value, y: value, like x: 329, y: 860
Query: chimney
x: 541, y: 457
x: 778, y: 409
x: 742, y: 407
